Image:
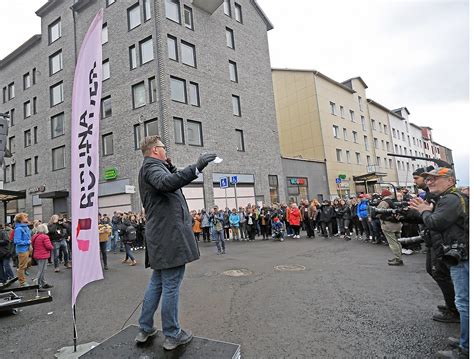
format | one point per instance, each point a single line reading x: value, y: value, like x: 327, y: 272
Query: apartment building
x: 183, y: 69
x: 321, y: 119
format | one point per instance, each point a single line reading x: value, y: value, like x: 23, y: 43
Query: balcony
x: 209, y: 6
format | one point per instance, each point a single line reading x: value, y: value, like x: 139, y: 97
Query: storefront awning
x: 6, y: 195
x: 54, y: 194
x: 372, y: 176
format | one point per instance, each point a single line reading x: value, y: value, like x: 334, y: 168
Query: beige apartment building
x: 321, y: 119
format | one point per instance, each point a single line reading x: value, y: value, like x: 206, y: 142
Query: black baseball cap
x: 421, y: 170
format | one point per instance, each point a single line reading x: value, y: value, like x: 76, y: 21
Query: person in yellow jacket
x: 104, y: 233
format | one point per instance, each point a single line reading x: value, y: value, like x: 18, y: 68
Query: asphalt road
x: 346, y: 303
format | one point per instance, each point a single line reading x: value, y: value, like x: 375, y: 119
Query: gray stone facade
x: 261, y: 157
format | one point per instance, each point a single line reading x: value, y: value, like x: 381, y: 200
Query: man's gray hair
x: 148, y: 143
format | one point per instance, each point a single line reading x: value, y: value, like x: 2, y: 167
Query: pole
x: 235, y: 193
x: 74, y: 327
x: 225, y: 191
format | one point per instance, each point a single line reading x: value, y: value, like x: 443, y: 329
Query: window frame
x: 238, y: 13
x: 61, y: 114
x: 183, y: 82
x: 181, y: 124
x: 133, y: 94
x: 175, y: 43
x: 105, y: 65
x: 239, y: 106
x: 27, y: 81
x: 190, y: 11
x: 133, y: 8
x: 102, y: 101
x: 149, y: 39
x: 194, y: 85
x: 147, y: 123
x: 50, y: 62
x: 104, y: 136
x: 230, y: 32
x: 50, y: 27
x: 132, y: 57
x: 233, y: 71
x: 63, y: 147
x: 58, y: 84
x: 176, y: 3
x: 188, y: 45
x: 241, y: 140
x: 28, y: 164
x: 199, y: 124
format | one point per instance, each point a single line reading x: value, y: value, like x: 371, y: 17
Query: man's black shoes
x: 184, y: 337
x: 143, y: 336
x: 447, y: 317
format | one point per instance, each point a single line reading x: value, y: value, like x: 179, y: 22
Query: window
x: 233, y: 71
x: 59, y: 158
x: 13, y: 172
x: 137, y: 135
x: 394, y: 133
x: 132, y: 52
x: 178, y: 90
x: 27, y: 109
x: 12, y: 117
x: 398, y: 134
x: 348, y: 156
x: 344, y: 133
x: 335, y: 131
x: 172, y: 48
x: 236, y: 106
x: 54, y: 31
x: 178, y: 130
x: 366, y: 143
x: 227, y: 10
x: 172, y: 10
x: 368, y: 160
x: 6, y: 174
x: 11, y: 144
x: 139, y: 95
x: 352, y: 115
x: 105, y: 70
x: 385, y: 162
x: 188, y: 18
x: 354, y: 136
x: 338, y: 155
x: 380, y: 126
x: 273, y: 184
x: 26, y: 81
x: 390, y: 163
x: 35, y: 135
x: 378, y: 161
x: 105, y: 34
x: 55, y: 62
x: 11, y: 91
x: 333, y: 108
x: 240, y: 140
x: 34, y: 106
x: 146, y: 51
x: 194, y: 94
x: 133, y: 14
x: 109, y: 2
x: 194, y: 133
x: 358, y: 158
x: 188, y: 54
x: 56, y: 94
x: 403, y: 136
x: 36, y: 165
x: 373, y: 124
x: 152, y: 89
x: 27, y: 136
x: 376, y: 143
x: 28, y: 167
x: 229, y: 35
x: 106, y: 107
x: 4, y: 94
x: 341, y: 109
x: 362, y: 122
x: 151, y: 128
x: 57, y: 125
x: 238, y: 13
x: 34, y: 76
x: 146, y: 10
x: 385, y: 129
x: 396, y: 148
x: 360, y: 103
x: 107, y: 144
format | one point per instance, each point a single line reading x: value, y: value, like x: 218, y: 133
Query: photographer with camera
x: 391, y: 226
x: 447, y: 220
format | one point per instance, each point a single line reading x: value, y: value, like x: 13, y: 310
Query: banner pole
x: 74, y: 327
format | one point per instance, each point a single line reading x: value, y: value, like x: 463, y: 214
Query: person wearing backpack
x: 6, y: 250
x: 447, y: 220
x: 128, y: 231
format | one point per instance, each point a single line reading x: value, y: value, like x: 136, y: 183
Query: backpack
x: 131, y: 233
x: 465, y: 208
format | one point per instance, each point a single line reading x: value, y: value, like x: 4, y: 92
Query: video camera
x: 454, y: 253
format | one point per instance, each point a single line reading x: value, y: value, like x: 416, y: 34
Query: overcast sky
x: 412, y: 53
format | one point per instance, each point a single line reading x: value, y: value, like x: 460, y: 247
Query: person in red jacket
x: 42, y: 248
x: 295, y: 219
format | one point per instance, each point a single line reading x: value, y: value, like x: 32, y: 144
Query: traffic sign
x: 224, y: 182
x: 338, y: 180
x: 234, y: 180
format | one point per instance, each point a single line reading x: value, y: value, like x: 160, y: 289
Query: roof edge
x: 262, y: 15
x: 20, y: 50
x: 370, y: 101
x: 356, y: 78
x: 43, y: 10
x: 301, y: 159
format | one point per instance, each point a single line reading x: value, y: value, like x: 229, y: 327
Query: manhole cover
x: 289, y: 268
x: 237, y: 272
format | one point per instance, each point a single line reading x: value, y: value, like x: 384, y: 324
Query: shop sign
x: 38, y: 189
x: 298, y: 181
x: 110, y: 173
x: 342, y: 176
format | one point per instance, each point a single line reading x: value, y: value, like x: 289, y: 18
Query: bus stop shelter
x: 7, y: 196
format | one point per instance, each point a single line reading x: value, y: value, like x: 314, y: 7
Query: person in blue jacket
x: 363, y: 214
x: 21, y: 238
x: 234, y: 220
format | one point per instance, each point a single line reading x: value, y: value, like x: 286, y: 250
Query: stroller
x: 277, y: 230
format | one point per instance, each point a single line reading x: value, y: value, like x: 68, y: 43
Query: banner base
x: 68, y: 352
x: 122, y: 345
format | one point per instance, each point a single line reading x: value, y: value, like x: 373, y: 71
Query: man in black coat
x: 169, y: 238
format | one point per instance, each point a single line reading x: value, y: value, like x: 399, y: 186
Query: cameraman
x: 391, y: 228
x: 446, y: 220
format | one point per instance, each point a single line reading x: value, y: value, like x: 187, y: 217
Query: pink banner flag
x: 86, y: 96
